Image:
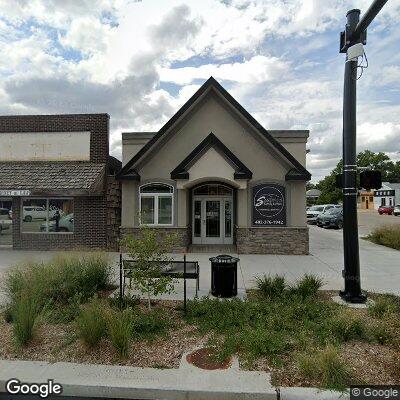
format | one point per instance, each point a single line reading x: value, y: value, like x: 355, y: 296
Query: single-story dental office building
x: 57, y: 182
x: 214, y: 176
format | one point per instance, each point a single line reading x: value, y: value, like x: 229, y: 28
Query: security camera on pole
x: 352, y: 40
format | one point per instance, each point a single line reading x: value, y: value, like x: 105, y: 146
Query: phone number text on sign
x: 268, y: 222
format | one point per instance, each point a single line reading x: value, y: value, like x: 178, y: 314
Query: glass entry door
x: 212, y: 221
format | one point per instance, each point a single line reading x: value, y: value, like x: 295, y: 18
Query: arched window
x: 156, y: 204
x: 213, y: 189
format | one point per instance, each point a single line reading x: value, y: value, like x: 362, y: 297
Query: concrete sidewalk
x: 380, y: 266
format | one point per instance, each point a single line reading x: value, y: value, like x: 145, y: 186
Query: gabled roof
x: 181, y: 171
x: 129, y: 172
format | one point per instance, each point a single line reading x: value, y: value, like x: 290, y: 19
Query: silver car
x: 396, y: 210
x: 65, y: 224
x: 314, y: 211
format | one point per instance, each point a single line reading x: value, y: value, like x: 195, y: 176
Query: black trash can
x: 224, y: 276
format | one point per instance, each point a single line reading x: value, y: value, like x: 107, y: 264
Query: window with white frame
x: 156, y: 204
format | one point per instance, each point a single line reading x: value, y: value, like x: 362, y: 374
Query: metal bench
x: 175, y: 269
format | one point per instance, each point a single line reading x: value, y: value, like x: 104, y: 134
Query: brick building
x: 57, y: 182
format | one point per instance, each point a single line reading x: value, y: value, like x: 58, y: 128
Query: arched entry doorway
x: 212, y: 214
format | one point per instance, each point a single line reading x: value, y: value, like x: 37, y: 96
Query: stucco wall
x: 213, y: 115
x: 129, y: 210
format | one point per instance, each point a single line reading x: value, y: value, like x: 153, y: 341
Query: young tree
x: 150, y: 257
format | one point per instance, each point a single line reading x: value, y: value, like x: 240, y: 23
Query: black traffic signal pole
x: 355, y: 33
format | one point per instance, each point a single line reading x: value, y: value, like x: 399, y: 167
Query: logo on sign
x: 269, y: 201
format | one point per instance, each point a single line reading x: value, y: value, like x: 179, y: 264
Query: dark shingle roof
x: 79, y: 177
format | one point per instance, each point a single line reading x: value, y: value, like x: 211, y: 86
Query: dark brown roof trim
x: 241, y: 171
x: 211, y: 82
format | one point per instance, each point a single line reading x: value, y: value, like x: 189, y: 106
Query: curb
x: 303, y: 393
x: 112, y: 381
x: 125, y: 382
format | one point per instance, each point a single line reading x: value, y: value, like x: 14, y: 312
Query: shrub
x: 383, y: 306
x: 258, y: 328
x: 91, y: 325
x: 387, y: 236
x: 54, y: 314
x: 147, y: 325
x: 128, y: 301
x: 265, y: 342
x: 325, y: 367
x: 307, y: 286
x: 120, y: 329
x: 24, y: 316
x: 221, y: 315
x: 271, y: 287
x: 346, y: 327
x: 381, y: 333
x: 60, y: 280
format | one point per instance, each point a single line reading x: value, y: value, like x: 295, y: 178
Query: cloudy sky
x: 140, y: 61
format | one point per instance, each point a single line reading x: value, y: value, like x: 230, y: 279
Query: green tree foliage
x: 377, y: 161
x: 150, y: 257
x: 367, y: 158
x: 393, y: 173
x: 329, y: 192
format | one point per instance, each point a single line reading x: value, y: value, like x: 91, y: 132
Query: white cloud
x: 255, y: 70
x: 55, y: 13
x: 284, y: 70
x: 88, y: 35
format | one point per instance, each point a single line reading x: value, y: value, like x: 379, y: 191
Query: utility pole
x: 355, y: 32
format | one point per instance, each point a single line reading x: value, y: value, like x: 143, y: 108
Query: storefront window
x: 47, y: 215
x: 156, y: 204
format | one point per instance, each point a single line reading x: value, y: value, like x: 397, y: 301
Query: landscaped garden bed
x: 388, y: 236
x: 295, y: 332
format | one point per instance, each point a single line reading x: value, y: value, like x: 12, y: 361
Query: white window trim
x: 156, y: 197
x: 47, y: 199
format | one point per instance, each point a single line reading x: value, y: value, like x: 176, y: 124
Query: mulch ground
x: 58, y: 342
x: 205, y: 358
x: 369, y: 362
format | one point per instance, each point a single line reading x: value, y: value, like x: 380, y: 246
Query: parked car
x: 333, y: 218
x: 65, y: 224
x: 29, y: 213
x: 5, y: 219
x: 386, y: 210
x: 314, y: 211
x: 396, y: 210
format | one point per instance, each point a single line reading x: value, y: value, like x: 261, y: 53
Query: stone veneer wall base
x: 276, y: 240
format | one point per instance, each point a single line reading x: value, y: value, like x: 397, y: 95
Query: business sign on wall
x: 14, y: 193
x: 269, y: 205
